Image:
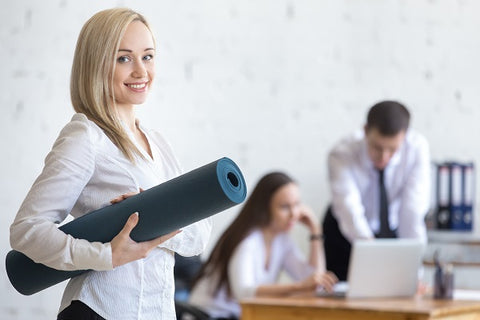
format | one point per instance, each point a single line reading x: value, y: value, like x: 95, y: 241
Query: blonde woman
x: 102, y: 156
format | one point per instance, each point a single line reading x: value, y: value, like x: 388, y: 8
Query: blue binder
x: 456, y: 196
x: 468, y: 191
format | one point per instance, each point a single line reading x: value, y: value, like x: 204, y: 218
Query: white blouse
x: 247, y: 272
x: 355, y: 187
x: 83, y: 172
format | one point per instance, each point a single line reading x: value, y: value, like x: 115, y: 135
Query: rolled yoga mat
x: 169, y: 206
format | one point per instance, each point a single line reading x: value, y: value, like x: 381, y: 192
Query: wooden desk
x: 309, y: 308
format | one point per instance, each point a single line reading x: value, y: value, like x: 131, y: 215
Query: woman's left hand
x: 308, y: 218
x: 124, y: 249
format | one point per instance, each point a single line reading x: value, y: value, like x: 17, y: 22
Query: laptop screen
x: 384, y: 268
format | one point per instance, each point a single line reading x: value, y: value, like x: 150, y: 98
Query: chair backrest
x: 186, y: 268
x: 186, y: 311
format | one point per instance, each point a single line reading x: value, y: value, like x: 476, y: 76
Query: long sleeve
x: 345, y: 173
x: 243, y: 268
x: 295, y: 264
x: 247, y: 270
x: 415, y: 200
x: 68, y: 167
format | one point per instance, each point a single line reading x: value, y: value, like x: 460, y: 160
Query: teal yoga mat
x: 169, y: 206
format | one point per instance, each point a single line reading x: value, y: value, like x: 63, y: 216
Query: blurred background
x: 272, y: 84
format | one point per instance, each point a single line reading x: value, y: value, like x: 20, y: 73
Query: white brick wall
x: 271, y: 84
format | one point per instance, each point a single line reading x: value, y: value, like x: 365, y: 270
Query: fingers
x: 148, y: 246
x: 325, y: 280
x: 332, y: 275
x: 122, y: 197
x: 125, y: 250
x: 307, y: 215
x: 123, y: 247
x: 116, y: 200
x: 328, y: 280
x: 307, y: 211
x: 130, y: 224
x: 125, y: 196
x: 133, y: 221
x: 157, y: 241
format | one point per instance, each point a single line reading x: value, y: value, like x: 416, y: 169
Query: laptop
x: 381, y: 268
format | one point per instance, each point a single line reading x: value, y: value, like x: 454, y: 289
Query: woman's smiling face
x: 135, y: 66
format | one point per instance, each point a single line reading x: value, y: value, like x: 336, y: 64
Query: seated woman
x: 255, y: 248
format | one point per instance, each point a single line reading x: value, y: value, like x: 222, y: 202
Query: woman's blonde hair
x: 91, y: 82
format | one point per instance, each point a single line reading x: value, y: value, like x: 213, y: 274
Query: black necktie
x: 385, y: 231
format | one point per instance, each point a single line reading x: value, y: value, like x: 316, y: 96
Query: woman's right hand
x: 324, y: 279
x: 125, y: 250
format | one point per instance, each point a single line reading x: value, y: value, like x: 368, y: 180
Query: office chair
x: 184, y: 272
x: 186, y: 311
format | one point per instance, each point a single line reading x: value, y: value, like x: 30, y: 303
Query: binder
x: 443, y: 197
x: 456, y: 196
x: 468, y: 175
x: 430, y: 218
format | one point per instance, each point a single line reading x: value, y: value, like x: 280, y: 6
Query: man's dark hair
x: 388, y: 117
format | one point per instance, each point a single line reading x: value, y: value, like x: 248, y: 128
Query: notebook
x: 381, y: 268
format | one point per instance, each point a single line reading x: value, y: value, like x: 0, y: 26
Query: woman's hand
x: 324, y: 279
x: 125, y: 250
x: 308, y: 218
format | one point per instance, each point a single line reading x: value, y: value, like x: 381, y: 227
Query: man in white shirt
x: 380, y: 184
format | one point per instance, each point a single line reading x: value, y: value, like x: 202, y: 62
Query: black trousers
x: 78, y: 310
x: 337, y: 247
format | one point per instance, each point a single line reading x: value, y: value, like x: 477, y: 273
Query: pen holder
x: 443, y: 282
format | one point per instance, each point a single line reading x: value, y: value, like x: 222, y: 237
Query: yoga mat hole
x: 233, y: 179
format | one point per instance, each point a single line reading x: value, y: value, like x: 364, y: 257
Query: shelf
x: 452, y: 237
x: 473, y: 264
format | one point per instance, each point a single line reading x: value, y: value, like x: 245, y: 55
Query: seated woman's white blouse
x: 247, y: 271
x: 83, y: 172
